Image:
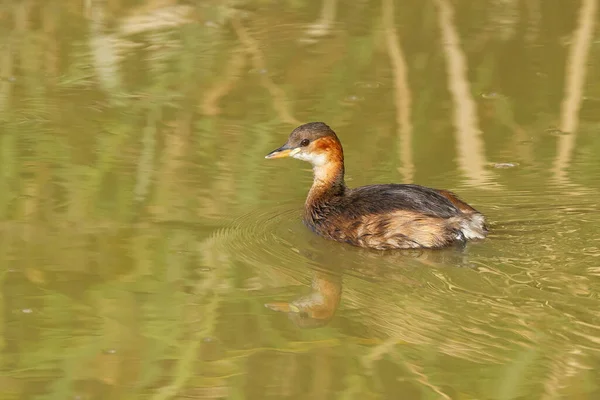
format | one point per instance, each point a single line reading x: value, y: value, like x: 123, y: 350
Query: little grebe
x: 391, y: 216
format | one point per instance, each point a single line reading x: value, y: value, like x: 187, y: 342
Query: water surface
x: 143, y: 233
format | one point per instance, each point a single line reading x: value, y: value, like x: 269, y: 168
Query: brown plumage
x: 391, y: 216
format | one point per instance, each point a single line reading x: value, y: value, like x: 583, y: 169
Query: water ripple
x: 267, y: 236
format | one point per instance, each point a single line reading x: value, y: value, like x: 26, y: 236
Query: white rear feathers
x: 473, y: 226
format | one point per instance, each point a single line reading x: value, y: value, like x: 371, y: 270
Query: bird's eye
x: 304, y: 142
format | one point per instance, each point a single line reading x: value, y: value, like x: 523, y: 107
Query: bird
x: 380, y: 216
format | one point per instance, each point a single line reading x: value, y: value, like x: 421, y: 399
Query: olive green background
x: 142, y: 231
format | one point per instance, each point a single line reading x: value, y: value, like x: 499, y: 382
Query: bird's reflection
x: 318, y: 307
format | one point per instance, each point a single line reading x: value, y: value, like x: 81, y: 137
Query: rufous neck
x: 328, y: 181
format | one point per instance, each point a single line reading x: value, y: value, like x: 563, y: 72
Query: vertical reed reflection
x: 145, y: 166
x: 199, y: 322
x: 6, y: 71
x: 577, y: 64
x: 104, y: 51
x: 210, y: 102
x: 22, y: 11
x: 402, y: 94
x: 50, y: 22
x: 323, y: 25
x: 469, y: 143
x: 280, y: 102
x: 388, y: 348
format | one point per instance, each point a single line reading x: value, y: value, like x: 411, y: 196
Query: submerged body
x: 391, y: 216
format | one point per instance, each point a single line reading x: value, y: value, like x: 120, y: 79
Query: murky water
x: 149, y: 251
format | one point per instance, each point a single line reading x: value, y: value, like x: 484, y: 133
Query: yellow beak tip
x: 278, y: 154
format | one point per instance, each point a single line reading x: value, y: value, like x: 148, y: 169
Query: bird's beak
x: 283, y: 151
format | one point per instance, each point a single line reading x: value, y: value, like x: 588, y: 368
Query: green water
x: 142, y: 231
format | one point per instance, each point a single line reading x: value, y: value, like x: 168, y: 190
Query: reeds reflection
x: 576, y: 71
